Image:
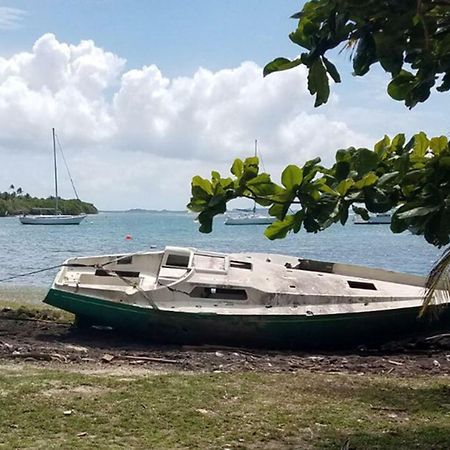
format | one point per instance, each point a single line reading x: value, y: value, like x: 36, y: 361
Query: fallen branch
x: 149, y: 358
x: 223, y: 348
x: 40, y: 356
x: 438, y: 336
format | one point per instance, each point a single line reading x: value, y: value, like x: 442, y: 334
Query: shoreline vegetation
x: 60, y: 387
x: 16, y: 202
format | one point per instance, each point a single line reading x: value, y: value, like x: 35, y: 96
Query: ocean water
x: 26, y: 248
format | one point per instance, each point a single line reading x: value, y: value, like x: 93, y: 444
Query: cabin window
x: 121, y: 273
x: 177, y: 260
x: 218, y: 293
x: 361, y: 285
x: 124, y: 259
x: 241, y: 265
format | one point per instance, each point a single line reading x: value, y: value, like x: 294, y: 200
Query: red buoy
x: 128, y: 237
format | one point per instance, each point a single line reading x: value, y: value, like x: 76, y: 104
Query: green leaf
x: 401, y: 85
x: 280, y: 228
x: 420, y: 144
x: 331, y: 69
x: 237, y: 168
x: 376, y: 200
x: 389, y: 47
x: 343, y: 187
x: 387, y: 178
x: 279, y: 64
x: 398, y: 142
x: 381, y: 147
x: 291, y: 177
x: 365, y: 55
x: 438, y: 144
x: 417, y: 212
x: 362, y: 212
x: 318, y: 82
x: 365, y: 160
x: 201, y: 187
x: 366, y: 181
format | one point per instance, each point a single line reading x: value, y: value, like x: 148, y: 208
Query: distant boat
x: 53, y: 219
x: 376, y: 219
x: 250, y: 217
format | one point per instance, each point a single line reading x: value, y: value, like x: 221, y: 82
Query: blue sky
x: 178, y: 36
x: 153, y: 92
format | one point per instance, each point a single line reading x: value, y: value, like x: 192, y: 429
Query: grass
x: 201, y: 411
x: 15, y: 310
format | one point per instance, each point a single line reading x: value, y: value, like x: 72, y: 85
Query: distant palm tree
x: 11, y: 187
x: 19, y: 191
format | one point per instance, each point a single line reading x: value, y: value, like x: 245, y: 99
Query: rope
x: 67, y: 167
x: 13, y: 277
x: 95, y: 266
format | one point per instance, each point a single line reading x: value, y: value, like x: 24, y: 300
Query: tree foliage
x: 410, y: 39
x: 16, y: 202
x: 412, y: 176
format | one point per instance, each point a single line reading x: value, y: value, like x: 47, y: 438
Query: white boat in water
x: 375, y: 219
x: 46, y: 219
x: 188, y: 295
x: 53, y: 219
x: 249, y: 219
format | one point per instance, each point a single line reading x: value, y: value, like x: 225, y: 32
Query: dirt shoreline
x: 40, y: 339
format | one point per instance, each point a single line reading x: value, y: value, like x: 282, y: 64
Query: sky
x: 145, y: 94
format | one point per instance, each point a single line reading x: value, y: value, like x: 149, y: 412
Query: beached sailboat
x: 188, y: 295
x: 57, y: 218
x: 249, y: 217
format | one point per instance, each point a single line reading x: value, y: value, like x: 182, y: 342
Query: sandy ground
x: 47, y: 343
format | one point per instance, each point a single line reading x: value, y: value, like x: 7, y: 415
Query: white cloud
x: 11, y: 18
x: 135, y: 138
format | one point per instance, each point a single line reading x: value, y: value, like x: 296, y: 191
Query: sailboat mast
x: 56, y: 171
x: 256, y: 154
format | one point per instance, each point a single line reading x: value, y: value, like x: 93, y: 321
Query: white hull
x: 52, y: 220
x: 249, y: 220
x: 262, y: 283
x: 185, y: 295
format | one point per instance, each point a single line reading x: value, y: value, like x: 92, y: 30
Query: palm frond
x: 437, y: 286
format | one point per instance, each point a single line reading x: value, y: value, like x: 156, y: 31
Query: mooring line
x: 30, y: 273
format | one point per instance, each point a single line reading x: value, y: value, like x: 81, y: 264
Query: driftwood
x: 40, y: 356
x: 223, y: 348
x: 148, y: 358
x: 438, y: 336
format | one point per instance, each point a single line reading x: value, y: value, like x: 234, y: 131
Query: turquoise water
x: 26, y: 248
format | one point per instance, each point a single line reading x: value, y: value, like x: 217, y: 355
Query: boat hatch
x: 210, y: 263
x: 361, y: 285
x: 177, y: 257
x: 176, y: 263
x: 218, y: 293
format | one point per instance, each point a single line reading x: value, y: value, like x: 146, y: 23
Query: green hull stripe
x: 276, y: 330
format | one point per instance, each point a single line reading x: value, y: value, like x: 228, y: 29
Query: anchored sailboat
x: 53, y: 219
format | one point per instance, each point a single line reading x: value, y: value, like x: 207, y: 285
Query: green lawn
x: 247, y: 410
